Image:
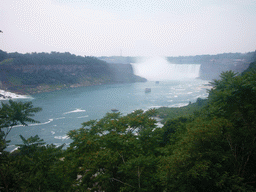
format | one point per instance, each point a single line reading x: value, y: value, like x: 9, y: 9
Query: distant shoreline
x: 29, y: 91
x: 6, y: 95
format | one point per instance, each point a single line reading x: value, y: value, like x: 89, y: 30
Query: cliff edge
x: 44, y: 72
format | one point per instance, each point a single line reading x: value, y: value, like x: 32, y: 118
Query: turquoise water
x: 65, y: 110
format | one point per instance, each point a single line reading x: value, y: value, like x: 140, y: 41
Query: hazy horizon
x: 128, y: 28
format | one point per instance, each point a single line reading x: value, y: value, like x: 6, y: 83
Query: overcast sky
x: 128, y: 27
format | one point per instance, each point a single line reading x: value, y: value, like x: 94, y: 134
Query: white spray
x: 159, y: 69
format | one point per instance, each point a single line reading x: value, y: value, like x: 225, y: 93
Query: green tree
x: 199, y: 160
x: 41, y: 166
x: 234, y: 97
x: 116, y: 153
x: 12, y: 114
x: 35, y: 167
x: 15, y: 113
x: 216, y: 150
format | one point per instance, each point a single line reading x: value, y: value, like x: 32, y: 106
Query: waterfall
x: 159, y: 69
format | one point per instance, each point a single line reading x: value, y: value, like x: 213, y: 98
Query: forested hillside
x: 211, y: 147
x: 39, y: 72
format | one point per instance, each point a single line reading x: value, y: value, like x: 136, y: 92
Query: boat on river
x: 147, y: 90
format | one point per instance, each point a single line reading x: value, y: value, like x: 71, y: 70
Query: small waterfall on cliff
x: 159, y: 69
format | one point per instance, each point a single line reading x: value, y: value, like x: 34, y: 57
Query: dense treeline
x: 251, y: 67
x: 210, y: 148
x: 53, y: 58
x: 50, y: 68
x: 119, y: 59
x: 249, y: 57
x: 197, y: 59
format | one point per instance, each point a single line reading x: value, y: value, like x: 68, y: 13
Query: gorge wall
x: 34, y: 73
x: 211, y: 66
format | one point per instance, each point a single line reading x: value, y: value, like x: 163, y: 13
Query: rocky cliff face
x: 212, y: 69
x: 213, y: 65
x: 123, y: 73
x: 42, y: 78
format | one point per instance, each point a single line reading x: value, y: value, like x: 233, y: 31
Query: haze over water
x: 66, y: 109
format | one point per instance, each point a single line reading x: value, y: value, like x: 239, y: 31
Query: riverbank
x: 6, y: 95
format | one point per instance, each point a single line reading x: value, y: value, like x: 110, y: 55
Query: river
x: 66, y: 109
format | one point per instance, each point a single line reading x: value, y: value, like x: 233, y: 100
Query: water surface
x: 66, y: 109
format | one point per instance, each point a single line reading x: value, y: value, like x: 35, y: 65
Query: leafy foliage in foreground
x: 211, y: 148
x: 117, y: 153
x: 12, y: 114
x: 35, y: 166
x: 215, y: 151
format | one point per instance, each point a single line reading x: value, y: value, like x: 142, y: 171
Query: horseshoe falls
x: 159, y: 69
